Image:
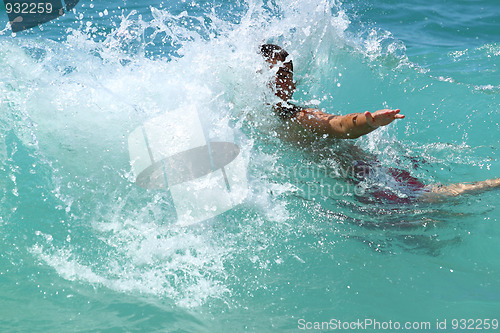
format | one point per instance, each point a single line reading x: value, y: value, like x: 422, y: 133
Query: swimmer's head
x: 276, y: 56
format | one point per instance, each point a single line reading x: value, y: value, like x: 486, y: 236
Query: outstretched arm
x: 350, y: 126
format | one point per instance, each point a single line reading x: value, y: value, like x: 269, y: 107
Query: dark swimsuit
x: 411, y: 185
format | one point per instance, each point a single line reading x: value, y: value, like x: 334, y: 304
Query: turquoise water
x: 83, y: 249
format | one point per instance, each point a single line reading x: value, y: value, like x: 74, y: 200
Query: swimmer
x: 350, y: 126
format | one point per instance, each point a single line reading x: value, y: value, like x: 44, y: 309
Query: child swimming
x: 352, y: 126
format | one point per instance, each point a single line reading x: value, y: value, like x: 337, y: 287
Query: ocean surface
x: 84, y: 249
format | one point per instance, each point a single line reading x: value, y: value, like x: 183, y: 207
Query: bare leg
x: 446, y: 191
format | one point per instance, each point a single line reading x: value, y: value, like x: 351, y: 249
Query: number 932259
x: 28, y: 8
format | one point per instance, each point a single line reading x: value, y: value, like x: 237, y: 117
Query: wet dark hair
x: 274, y: 52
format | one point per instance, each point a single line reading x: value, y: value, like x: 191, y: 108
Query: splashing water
x: 75, y: 227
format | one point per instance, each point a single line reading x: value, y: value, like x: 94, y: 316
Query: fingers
x: 389, y: 111
x: 382, y: 117
x: 392, y: 113
x: 397, y: 115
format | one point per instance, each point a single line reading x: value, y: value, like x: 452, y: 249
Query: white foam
x: 86, y: 96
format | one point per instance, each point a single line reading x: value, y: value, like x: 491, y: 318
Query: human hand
x: 382, y: 117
